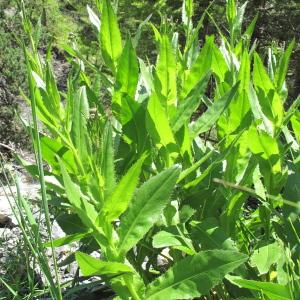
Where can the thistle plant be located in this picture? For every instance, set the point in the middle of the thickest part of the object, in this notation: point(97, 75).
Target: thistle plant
point(157, 188)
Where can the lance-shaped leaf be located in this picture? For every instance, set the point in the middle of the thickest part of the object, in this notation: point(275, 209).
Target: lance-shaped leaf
point(69, 239)
point(239, 106)
point(210, 235)
point(210, 117)
point(52, 93)
point(110, 36)
point(261, 78)
point(218, 64)
point(189, 105)
point(126, 80)
point(231, 11)
point(157, 122)
point(295, 121)
point(79, 131)
point(128, 68)
point(201, 66)
point(146, 208)
point(269, 99)
point(44, 104)
point(195, 275)
point(84, 209)
point(118, 202)
point(107, 161)
point(283, 67)
point(268, 153)
point(93, 18)
point(273, 291)
point(132, 117)
point(166, 71)
point(90, 266)
point(294, 108)
point(187, 13)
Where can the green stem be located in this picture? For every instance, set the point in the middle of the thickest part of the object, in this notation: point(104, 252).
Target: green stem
point(37, 147)
point(131, 289)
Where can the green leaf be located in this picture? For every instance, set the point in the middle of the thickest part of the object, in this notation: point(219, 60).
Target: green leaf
point(210, 236)
point(147, 77)
point(43, 104)
point(267, 151)
point(269, 99)
point(68, 239)
point(157, 122)
point(70, 223)
point(210, 117)
point(218, 64)
point(295, 121)
point(128, 69)
point(250, 29)
point(107, 161)
point(201, 66)
point(292, 111)
point(51, 148)
point(221, 157)
point(52, 91)
point(119, 200)
point(264, 257)
point(282, 69)
point(239, 106)
point(261, 78)
point(196, 165)
point(189, 105)
point(272, 290)
point(173, 239)
point(146, 208)
point(187, 11)
point(166, 72)
point(166, 239)
point(231, 11)
point(258, 113)
point(91, 266)
point(79, 131)
point(84, 209)
point(133, 115)
point(195, 275)
point(110, 36)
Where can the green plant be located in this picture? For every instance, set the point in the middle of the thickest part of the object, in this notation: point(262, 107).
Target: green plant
point(132, 166)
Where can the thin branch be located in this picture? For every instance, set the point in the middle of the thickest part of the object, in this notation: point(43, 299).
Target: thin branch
point(253, 192)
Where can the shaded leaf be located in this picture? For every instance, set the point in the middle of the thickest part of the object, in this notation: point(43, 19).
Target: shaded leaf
point(195, 275)
point(210, 117)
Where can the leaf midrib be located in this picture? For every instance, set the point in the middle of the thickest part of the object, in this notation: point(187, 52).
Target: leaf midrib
point(137, 217)
point(188, 278)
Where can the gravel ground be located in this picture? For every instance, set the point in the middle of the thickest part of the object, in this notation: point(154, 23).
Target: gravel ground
point(13, 250)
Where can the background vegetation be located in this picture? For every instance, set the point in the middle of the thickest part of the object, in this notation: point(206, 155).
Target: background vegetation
point(278, 23)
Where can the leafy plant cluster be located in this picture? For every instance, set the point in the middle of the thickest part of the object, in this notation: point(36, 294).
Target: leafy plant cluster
point(179, 204)
point(12, 77)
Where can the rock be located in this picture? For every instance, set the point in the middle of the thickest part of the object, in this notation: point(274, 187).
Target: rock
point(7, 218)
point(5, 221)
point(10, 12)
